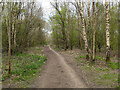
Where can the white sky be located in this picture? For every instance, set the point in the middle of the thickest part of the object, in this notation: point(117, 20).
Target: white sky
point(48, 9)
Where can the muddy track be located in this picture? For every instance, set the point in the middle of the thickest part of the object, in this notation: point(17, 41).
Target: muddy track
point(57, 73)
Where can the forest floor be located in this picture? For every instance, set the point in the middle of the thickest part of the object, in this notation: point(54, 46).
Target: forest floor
point(63, 69)
point(25, 67)
point(69, 69)
point(98, 75)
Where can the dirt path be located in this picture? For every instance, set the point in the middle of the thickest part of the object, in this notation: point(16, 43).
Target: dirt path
point(57, 73)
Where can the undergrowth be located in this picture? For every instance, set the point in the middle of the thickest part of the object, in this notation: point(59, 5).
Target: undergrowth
point(24, 67)
point(106, 76)
point(113, 65)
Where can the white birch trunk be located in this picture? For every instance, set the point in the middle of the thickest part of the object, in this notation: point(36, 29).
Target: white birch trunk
point(107, 33)
point(84, 32)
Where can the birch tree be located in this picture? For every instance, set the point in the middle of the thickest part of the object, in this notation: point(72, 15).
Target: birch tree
point(14, 29)
point(88, 24)
point(107, 33)
point(84, 31)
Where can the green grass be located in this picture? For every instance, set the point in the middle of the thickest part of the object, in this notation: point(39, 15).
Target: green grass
point(28, 65)
point(104, 76)
point(24, 66)
point(102, 69)
point(108, 76)
point(113, 65)
point(79, 57)
point(78, 61)
point(99, 57)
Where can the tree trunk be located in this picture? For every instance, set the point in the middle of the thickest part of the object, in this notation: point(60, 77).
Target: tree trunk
point(57, 39)
point(79, 33)
point(14, 25)
point(84, 32)
point(88, 25)
point(93, 24)
point(64, 37)
point(14, 34)
point(107, 33)
point(119, 40)
point(9, 40)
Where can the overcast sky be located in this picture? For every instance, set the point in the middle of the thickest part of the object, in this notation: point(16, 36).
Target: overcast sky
point(48, 9)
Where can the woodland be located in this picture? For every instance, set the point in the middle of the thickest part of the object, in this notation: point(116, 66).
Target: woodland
point(92, 27)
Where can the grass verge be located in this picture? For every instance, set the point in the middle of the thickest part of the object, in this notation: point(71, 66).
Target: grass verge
point(103, 76)
point(24, 68)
